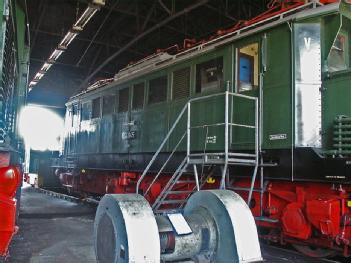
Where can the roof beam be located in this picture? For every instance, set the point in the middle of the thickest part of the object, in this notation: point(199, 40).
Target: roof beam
point(38, 60)
point(133, 13)
point(42, 8)
point(142, 35)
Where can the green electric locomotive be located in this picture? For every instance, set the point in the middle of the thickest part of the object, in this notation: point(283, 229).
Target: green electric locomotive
point(262, 109)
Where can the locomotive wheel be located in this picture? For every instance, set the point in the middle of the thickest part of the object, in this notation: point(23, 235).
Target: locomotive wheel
point(217, 226)
point(314, 252)
point(125, 230)
point(236, 226)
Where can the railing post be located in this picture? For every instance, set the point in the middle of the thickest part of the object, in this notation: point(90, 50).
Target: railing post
point(160, 148)
point(257, 136)
point(196, 178)
point(226, 139)
point(188, 142)
point(226, 127)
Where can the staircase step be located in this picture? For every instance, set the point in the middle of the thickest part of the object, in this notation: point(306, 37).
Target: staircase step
point(208, 161)
point(180, 192)
point(239, 160)
point(167, 202)
point(241, 164)
point(185, 182)
point(242, 155)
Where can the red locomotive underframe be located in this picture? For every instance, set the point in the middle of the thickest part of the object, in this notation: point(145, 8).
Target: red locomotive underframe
point(314, 214)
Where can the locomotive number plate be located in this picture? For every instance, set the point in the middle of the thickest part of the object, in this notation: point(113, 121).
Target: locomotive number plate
point(211, 139)
point(274, 137)
point(127, 135)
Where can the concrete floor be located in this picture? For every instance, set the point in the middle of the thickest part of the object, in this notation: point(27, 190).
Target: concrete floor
point(58, 231)
point(52, 231)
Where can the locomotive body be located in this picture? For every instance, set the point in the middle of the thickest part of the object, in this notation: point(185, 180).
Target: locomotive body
point(262, 110)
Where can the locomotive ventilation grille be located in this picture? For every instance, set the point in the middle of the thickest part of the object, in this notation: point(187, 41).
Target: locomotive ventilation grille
point(341, 136)
point(8, 81)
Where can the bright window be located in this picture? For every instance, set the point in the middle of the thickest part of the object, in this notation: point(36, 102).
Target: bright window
point(248, 70)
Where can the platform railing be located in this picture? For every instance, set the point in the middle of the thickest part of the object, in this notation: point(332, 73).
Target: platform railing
point(200, 156)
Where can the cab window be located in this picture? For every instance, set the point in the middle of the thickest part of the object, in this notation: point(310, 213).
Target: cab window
point(96, 111)
point(85, 115)
point(108, 105)
point(138, 96)
point(74, 114)
point(248, 75)
point(69, 116)
point(338, 58)
point(123, 100)
point(209, 75)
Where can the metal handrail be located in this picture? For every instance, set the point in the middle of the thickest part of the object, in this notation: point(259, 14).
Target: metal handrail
point(165, 164)
point(171, 181)
point(187, 109)
point(160, 148)
point(169, 134)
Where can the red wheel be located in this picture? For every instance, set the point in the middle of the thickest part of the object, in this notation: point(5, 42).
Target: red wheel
point(314, 252)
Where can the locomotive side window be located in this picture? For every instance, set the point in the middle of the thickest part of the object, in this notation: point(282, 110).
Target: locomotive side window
point(108, 105)
point(85, 111)
point(181, 83)
point(209, 75)
point(138, 96)
point(158, 90)
point(74, 116)
point(123, 100)
point(248, 67)
point(338, 58)
point(96, 112)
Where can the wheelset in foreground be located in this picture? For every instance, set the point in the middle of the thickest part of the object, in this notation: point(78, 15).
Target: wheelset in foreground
point(215, 226)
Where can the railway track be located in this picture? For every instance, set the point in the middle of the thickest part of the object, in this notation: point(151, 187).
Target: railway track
point(271, 253)
point(89, 201)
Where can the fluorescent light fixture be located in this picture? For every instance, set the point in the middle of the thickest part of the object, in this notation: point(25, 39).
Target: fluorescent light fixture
point(77, 27)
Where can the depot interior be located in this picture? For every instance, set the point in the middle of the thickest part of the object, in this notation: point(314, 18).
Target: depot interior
point(76, 44)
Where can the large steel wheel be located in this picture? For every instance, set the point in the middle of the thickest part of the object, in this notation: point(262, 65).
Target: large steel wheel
point(216, 226)
point(125, 230)
point(314, 252)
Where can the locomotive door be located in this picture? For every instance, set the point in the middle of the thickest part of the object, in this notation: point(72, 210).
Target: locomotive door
point(136, 118)
point(122, 128)
point(74, 129)
point(246, 79)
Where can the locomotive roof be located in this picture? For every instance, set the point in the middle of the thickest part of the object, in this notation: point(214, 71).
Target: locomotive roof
point(162, 60)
